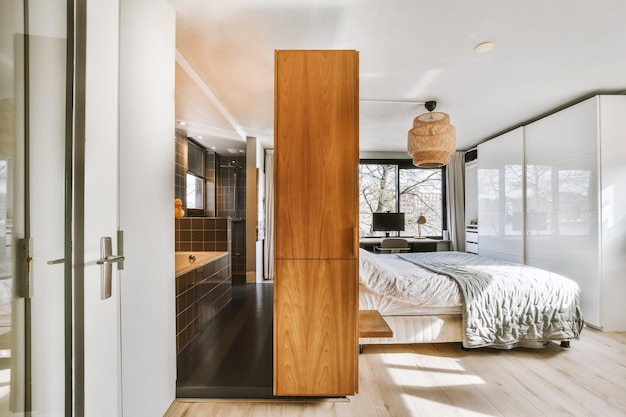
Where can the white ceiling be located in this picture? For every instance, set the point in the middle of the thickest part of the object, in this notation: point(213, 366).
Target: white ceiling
point(547, 54)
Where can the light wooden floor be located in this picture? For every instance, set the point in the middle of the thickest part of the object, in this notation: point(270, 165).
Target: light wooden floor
point(442, 380)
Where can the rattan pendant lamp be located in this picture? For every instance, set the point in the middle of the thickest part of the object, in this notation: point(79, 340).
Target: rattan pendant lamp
point(432, 139)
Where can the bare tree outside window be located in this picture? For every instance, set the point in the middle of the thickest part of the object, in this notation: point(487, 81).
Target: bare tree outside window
point(377, 194)
point(413, 191)
point(421, 195)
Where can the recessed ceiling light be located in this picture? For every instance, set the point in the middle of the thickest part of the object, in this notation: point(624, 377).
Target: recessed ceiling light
point(199, 137)
point(484, 46)
point(182, 123)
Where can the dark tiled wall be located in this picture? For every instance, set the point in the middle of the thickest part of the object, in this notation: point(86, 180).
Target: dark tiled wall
point(200, 295)
point(231, 186)
point(231, 202)
point(181, 174)
point(203, 234)
point(226, 192)
point(181, 165)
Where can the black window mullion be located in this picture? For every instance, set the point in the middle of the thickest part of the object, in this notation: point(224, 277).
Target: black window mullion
point(397, 188)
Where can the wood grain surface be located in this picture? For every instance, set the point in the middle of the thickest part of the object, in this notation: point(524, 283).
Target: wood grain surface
point(316, 154)
point(315, 327)
point(426, 380)
point(316, 223)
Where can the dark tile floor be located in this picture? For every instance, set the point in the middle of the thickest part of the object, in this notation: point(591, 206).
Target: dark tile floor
point(232, 357)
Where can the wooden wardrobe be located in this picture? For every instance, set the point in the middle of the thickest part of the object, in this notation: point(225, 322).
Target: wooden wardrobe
point(316, 223)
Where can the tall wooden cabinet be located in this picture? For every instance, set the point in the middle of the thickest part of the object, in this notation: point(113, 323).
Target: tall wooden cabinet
point(316, 226)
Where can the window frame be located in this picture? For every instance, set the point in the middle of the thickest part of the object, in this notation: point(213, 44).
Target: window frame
point(196, 212)
point(408, 164)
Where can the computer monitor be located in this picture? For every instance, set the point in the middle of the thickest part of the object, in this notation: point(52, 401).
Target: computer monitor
point(386, 222)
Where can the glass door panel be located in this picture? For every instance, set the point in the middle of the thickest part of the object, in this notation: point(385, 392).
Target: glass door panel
point(11, 22)
point(35, 305)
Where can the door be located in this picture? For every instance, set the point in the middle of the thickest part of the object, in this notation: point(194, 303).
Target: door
point(60, 163)
point(37, 354)
point(54, 327)
point(97, 187)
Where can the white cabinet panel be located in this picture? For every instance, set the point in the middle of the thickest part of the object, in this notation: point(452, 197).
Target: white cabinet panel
point(471, 247)
point(613, 211)
point(551, 195)
point(562, 210)
point(562, 136)
point(588, 287)
point(561, 156)
point(574, 169)
point(500, 196)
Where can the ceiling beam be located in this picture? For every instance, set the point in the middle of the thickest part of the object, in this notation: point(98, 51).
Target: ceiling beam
point(195, 77)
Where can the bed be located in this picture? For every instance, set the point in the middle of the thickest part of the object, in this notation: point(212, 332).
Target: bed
point(431, 297)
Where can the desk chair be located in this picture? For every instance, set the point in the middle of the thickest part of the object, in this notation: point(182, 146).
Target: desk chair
point(393, 245)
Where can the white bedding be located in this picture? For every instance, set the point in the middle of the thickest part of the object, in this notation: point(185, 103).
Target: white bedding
point(502, 305)
point(390, 276)
point(388, 306)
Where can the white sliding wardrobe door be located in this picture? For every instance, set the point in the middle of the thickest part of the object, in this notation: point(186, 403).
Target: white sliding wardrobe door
point(501, 197)
point(562, 198)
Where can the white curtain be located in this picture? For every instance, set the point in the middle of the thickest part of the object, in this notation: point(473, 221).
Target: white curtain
point(456, 201)
point(268, 243)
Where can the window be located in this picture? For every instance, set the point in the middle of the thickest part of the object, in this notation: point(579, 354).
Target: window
point(398, 186)
point(195, 195)
point(195, 177)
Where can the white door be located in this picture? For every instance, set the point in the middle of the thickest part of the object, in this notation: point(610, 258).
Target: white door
point(129, 343)
point(102, 342)
point(60, 196)
point(63, 170)
point(36, 145)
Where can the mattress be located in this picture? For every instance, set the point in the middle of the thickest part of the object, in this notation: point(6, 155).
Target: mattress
point(418, 309)
point(400, 281)
point(421, 329)
point(390, 306)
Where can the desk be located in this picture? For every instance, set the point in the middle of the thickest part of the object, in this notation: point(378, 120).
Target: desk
point(417, 245)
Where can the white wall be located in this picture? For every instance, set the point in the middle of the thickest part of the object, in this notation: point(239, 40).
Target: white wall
point(146, 214)
point(260, 163)
point(613, 211)
point(254, 249)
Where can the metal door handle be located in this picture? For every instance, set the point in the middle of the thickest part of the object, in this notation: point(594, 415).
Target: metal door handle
point(24, 274)
point(107, 259)
point(56, 261)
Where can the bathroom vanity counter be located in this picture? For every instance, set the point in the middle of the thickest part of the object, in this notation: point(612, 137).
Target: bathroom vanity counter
point(188, 261)
point(203, 288)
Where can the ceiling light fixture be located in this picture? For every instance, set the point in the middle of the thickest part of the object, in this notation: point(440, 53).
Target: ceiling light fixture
point(484, 46)
point(432, 139)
